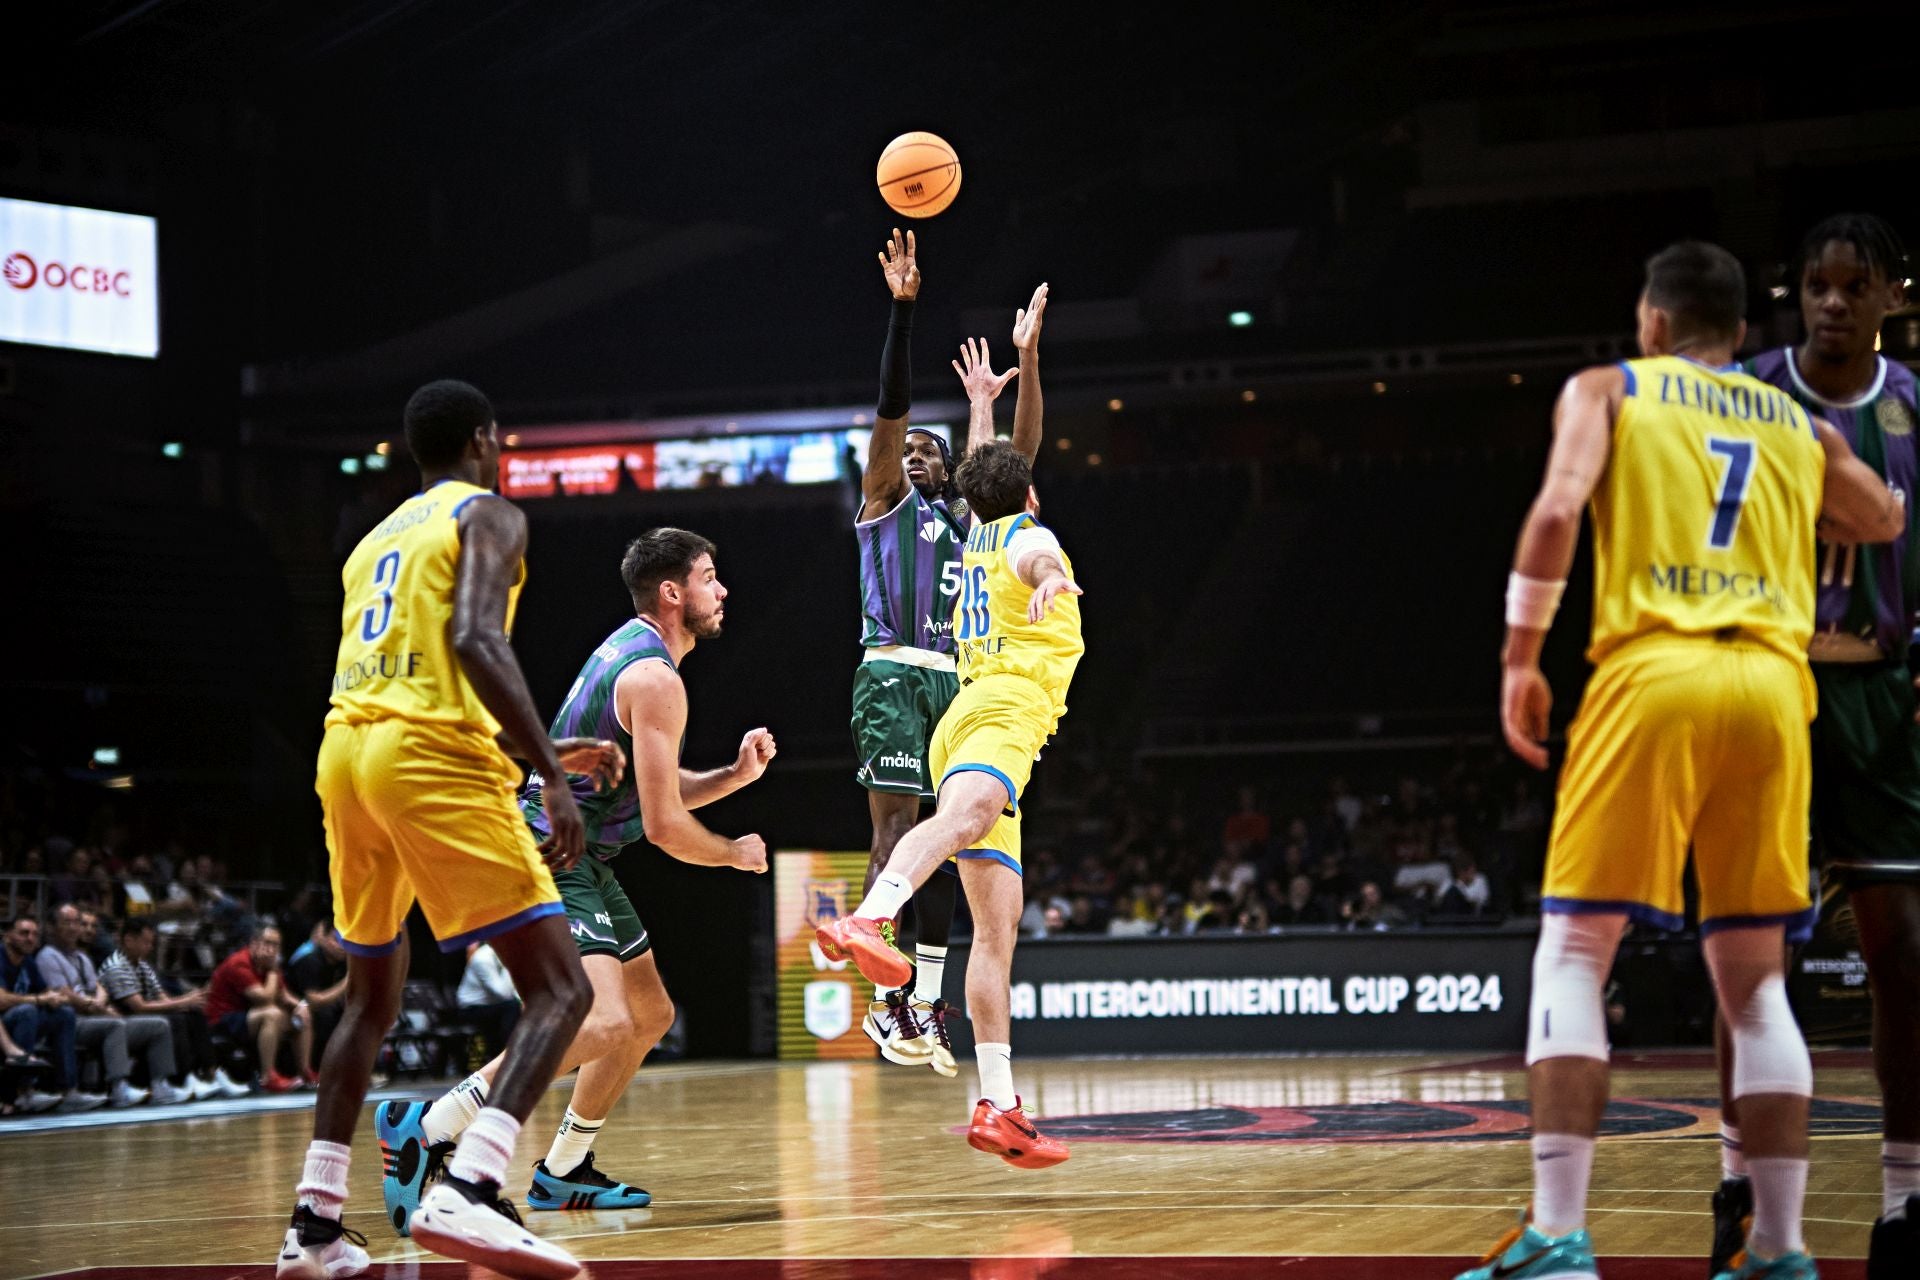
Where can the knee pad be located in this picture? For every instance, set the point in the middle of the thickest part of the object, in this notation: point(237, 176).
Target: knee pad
point(1567, 1017)
point(1769, 1053)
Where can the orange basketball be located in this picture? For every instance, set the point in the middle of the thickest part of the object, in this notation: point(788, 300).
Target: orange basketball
point(919, 174)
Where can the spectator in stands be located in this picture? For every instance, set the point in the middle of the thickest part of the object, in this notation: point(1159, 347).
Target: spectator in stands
point(1467, 891)
point(18, 1069)
point(1365, 909)
point(248, 1002)
point(65, 966)
point(1419, 876)
point(304, 910)
point(1033, 920)
point(104, 892)
point(33, 1013)
point(179, 915)
point(1252, 917)
point(317, 973)
point(227, 913)
point(1332, 881)
point(1301, 907)
point(1136, 917)
point(1218, 916)
point(73, 881)
point(136, 891)
point(1081, 920)
point(96, 939)
point(135, 989)
point(1248, 828)
point(1346, 806)
point(1523, 815)
point(486, 997)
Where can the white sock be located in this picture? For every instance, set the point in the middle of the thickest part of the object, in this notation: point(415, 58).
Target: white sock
point(571, 1143)
point(446, 1119)
point(890, 892)
point(1733, 1157)
point(1899, 1177)
point(1562, 1166)
point(323, 1183)
point(486, 1148)
point(996, 1074)
point(1779, 1190)
point(930, 965)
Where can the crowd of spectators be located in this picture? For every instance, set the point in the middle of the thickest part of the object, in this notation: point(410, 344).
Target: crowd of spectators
point(1124, 853)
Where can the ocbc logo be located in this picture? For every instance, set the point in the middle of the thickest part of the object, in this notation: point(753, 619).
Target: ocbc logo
point(22, 272)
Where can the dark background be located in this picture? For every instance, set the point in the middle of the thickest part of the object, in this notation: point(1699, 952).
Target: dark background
point(604, 211)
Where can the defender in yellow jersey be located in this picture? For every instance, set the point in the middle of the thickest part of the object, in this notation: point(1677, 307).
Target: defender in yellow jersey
point(1017, 635)
point(418, 803)
point(1706, 487)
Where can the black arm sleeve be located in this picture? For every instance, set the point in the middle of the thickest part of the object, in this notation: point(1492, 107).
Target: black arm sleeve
point(896, 363)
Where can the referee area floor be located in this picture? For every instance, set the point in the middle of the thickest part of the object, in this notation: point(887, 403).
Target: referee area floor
point(1316, 1168)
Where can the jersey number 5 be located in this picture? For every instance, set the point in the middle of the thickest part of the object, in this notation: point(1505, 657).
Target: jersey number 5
point(379, 615)
point(1733, 489)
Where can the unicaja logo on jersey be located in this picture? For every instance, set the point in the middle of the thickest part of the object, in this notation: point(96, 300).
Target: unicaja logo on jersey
point(931, 531)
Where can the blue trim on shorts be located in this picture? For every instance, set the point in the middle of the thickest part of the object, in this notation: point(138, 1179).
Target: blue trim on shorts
point(538, 911)
point(373, 952)
point(1638, 912)
point(993, 855)
point(1799, 923)
point(1633, 383)
point(1013, 807)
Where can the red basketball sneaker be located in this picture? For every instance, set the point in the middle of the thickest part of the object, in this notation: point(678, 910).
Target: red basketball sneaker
point(870, 945)
point(1012, 1137)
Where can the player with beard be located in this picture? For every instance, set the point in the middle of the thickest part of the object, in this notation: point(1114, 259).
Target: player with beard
point(1866, 746)
point(911, 530)
point(630, 691)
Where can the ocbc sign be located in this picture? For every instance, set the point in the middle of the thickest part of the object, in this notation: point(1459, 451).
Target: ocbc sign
point(22, 272)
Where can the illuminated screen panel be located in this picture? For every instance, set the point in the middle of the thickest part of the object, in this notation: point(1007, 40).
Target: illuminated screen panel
point(84, 279)
point(821, 1002)
point(713, 462)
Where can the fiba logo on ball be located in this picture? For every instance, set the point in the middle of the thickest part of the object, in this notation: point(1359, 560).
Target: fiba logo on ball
point(918, 174)
point(19, 271)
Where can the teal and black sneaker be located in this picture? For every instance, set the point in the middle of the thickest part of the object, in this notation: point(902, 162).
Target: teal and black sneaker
point(1788, 1266)
point(1526, 1254)
point(407, 1160)
point(584, 1188)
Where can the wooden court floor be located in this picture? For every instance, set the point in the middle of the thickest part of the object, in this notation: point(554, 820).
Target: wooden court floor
point(1398, 1167)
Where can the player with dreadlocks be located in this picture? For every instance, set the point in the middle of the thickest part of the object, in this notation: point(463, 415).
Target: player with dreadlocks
point(911, 530)
point(1851, 272)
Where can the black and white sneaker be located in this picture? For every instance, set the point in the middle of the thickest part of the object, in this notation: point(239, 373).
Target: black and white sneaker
point(892, 1024)
point(1732, 1219)
point(469, 1221)
point(1894, 1253)
point(318, 1248)
point(933, 1016)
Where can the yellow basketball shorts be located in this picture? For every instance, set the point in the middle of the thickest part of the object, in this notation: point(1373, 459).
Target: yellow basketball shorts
point(418, 811)
point(995, 725)
point(1685, 742)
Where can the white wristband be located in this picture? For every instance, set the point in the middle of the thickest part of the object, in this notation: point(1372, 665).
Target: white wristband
point(1531, 602)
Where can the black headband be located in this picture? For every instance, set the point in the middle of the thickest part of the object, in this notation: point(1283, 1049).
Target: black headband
point(946, 453)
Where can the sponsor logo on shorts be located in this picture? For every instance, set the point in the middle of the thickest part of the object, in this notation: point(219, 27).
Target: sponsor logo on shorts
point(899, 762)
